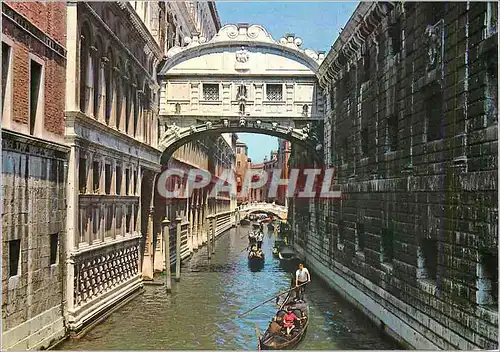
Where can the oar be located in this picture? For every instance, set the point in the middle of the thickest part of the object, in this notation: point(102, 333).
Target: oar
point(258, 336)
point(267, 300)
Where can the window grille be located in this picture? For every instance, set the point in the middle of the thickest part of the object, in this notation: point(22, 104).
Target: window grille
point(211, 92)
point(274, 92)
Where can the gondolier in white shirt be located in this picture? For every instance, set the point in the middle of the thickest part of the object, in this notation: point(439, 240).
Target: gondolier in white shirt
point(302, 276)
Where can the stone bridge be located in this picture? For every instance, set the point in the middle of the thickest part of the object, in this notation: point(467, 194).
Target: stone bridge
point(279, 210)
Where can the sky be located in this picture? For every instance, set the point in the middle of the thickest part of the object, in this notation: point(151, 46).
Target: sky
point(317, 23)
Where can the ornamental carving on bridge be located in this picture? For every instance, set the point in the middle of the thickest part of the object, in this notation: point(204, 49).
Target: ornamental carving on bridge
point(242, 55)
point(247, 33)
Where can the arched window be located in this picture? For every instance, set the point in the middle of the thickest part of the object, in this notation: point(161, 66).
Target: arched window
point(109, 85)
point(119, 94)
point(97, 77)
point(126, 92)
point(85, 40)
point(136, 105)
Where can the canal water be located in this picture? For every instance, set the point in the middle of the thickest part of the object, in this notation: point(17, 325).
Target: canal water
point(201, 312)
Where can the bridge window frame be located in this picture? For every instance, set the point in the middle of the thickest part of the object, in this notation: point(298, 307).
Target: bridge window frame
point(274, 92)
point(211, 91)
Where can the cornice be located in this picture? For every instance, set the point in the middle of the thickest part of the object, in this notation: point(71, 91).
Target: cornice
point(363, 22)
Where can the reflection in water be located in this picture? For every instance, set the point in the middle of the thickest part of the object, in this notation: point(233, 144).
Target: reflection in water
point(202, 309)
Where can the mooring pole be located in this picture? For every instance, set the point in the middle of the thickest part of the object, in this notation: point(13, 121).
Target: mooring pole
point(209, 251)
point(166, 250)
point(178, 221)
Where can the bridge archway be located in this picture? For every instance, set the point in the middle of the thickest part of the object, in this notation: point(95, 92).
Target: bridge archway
point(242, 80)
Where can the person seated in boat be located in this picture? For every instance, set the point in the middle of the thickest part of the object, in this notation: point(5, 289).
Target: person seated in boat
point(289, 320)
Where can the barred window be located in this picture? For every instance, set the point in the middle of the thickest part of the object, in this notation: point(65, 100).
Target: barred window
point(211, 92)
point(274, 92)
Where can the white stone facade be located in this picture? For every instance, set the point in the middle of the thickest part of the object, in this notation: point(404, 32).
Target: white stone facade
point(111, 127)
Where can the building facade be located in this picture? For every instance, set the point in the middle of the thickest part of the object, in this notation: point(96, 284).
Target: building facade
point(284, 149)
point(111, 128)
point(243, 163)
point(34, 172)
point(411, 128)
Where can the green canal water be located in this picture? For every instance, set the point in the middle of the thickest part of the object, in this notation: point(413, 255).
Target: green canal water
point(200, 313)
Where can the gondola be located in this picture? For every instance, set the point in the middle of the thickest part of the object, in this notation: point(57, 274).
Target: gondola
point(288, 257)
point(245, 222)
point(256, 258)
point(274, 338)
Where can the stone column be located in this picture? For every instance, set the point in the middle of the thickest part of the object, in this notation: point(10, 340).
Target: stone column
point(178, 221)
point(166, 246)
point(147, 264)
point(159, 260)
point(193, 219)
point(73, 236)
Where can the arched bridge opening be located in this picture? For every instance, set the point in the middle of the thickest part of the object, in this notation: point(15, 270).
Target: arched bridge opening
point(242, 80)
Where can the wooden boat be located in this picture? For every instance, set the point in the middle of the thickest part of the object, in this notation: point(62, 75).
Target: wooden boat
point(277, 246)
point(244, 222)
point(256, 259)
point(274, 338)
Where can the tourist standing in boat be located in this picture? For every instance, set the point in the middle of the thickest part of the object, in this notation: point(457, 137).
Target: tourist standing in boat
point(302, 277)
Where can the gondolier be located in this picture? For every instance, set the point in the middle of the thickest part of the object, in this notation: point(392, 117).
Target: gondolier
point(302, 276)
point(260, 238)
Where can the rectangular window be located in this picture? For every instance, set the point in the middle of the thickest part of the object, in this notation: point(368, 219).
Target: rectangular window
point(392, 132)
point(127, 181)
point(107, 178)
point(211, 92)
point(387, 246)
point(82, 176)
point(96, 176)
point(128, 218)
point(395, 35)
point(366, 64)
point(14, 254)
point(488, 277)
point(364, 141)
point(274, 92)
point(54, 242)
point(429, 255)
point(134, 183)
point(35, 84)
point(360, 237)
point(6, 54)
point(433, 114)
point(118, 180)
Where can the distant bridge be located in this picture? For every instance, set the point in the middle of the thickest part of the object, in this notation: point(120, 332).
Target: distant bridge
point(276, 209)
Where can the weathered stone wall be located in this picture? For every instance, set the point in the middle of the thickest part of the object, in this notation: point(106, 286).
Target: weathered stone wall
point(34, 208)
point(411, 127)
point(33, 175)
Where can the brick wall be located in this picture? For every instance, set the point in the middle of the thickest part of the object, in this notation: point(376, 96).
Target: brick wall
point(411, 118)
point(34, 181)
point(50, 18)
